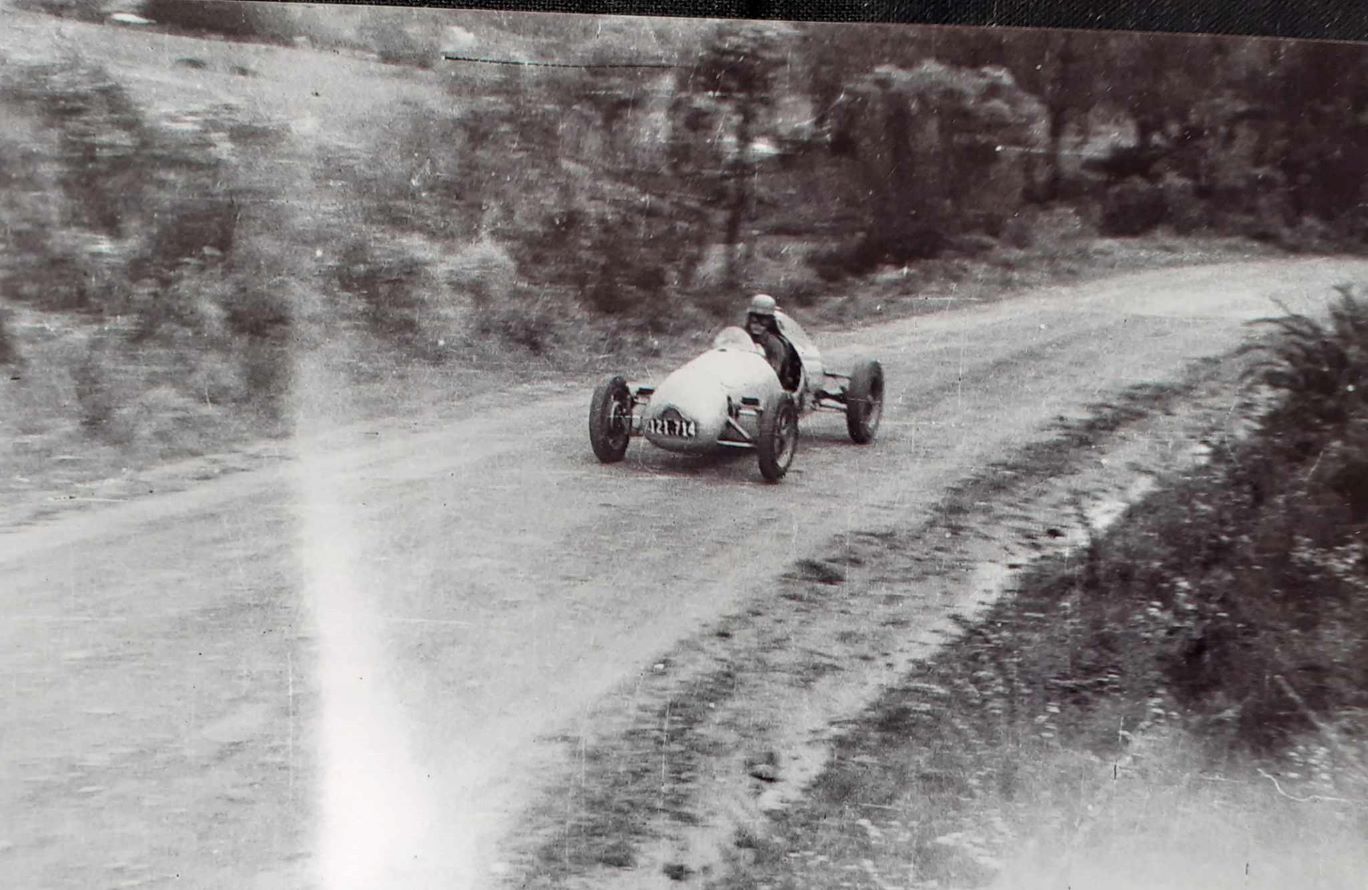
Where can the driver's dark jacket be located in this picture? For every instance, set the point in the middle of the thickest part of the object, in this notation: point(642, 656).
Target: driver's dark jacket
point(776, 353)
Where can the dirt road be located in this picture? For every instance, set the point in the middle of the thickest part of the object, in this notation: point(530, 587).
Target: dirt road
point(337, 671)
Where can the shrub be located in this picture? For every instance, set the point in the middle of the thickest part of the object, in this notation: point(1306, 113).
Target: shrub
point(485, 274)
point(1184, 209)
point(219, 333)
point(781, 267)
point(1021, 231)
point(60, 270)
point(266, 376)
point(82, 10)
point(1262, 569)
point(190, 301)
point(92, 134)
point(1275, 603)
point(199, 227)
point(123, 201)
point(531, 322)
point(9, 350)
point(229, 18)
point(1131, 208)
point(95, 394)
point(388, 282)
point(256, 310)
point(1320, 372)
point(399, 38)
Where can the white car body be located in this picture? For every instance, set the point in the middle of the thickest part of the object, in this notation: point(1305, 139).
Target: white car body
point(731, 397)
point(694, 407)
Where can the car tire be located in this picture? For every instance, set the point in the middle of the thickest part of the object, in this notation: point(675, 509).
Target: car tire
point(864, 401)
point(777, 439)
point(610, 420)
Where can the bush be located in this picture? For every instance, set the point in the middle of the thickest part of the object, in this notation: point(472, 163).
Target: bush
point(201, 227)
point(81, 10)
point(388, 282)
point(1184, 209)
point(122, 201)
point(399, 38)
point(531, 322)
point(1131, 208)
point(256, 310)
point(1320, 372)
point(485, 274)
point(851, 259)
point(229, 18)
point(190, 301)
point(91, 140)
point(1276, 601)
point(1020, 231)
point(61, 270)
point(1241, 592)
point(9, 350)
point(1259, 566)
point(95, 394)
point(780, 267)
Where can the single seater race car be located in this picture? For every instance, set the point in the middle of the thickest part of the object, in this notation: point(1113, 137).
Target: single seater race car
point(731, 397)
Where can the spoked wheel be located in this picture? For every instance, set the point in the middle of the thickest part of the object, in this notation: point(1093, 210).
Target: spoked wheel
point(610, 420)
point(777, 441)
point(864, 401)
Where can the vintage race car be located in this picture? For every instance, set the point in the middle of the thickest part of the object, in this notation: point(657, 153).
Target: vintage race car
point(731, 397)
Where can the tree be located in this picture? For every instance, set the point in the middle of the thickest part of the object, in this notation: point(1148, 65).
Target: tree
point(723, 101)
point(1159, 81)
point(837, 57)
point(1322, 112)
point(935, 146)
point(1059, 67)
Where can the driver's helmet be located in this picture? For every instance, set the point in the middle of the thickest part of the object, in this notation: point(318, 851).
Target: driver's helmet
point(760, 313)
point(762, 305)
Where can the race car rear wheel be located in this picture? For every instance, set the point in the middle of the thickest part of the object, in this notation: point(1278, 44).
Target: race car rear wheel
point(777, 440)
point(610, 420)
point(864, 401)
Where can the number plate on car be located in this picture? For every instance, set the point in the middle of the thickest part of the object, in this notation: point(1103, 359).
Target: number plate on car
point(680, 429)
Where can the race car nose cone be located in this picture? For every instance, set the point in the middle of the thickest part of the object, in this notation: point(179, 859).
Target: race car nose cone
point(671, 424)
point(685, 418)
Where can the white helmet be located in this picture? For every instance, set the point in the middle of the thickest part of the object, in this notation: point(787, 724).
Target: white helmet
point(762, 304)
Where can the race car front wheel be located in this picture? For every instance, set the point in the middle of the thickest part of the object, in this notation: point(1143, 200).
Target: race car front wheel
point(610, 420)
point(864, 401)
point(777, 441)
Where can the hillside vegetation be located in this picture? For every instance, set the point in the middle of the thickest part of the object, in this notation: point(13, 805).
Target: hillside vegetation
point(184, 224)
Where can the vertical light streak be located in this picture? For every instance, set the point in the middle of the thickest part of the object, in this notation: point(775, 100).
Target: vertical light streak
point(377, 804)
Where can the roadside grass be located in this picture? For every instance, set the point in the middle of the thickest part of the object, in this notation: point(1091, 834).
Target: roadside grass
point(1180, 702)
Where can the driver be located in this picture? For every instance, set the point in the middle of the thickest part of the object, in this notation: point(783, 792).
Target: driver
point(764, 330)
